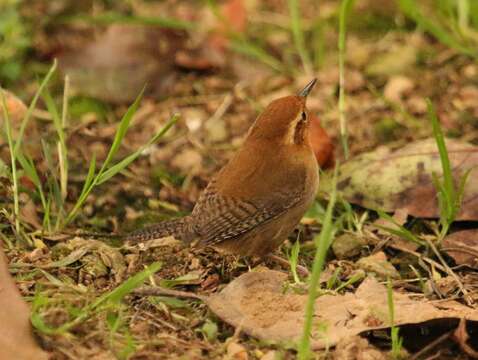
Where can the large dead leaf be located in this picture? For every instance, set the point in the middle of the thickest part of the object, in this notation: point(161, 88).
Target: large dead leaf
point(121, 61)
point(321, 143)
point(462, 246)
point(16, 338)
point(258, 303)
point(402, 179)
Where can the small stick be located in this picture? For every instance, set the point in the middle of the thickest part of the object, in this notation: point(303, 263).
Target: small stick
point(466, 296)
point(463, 249)
point(460, 335)
point(431, 345)
point(418, 255)
point(160, 291)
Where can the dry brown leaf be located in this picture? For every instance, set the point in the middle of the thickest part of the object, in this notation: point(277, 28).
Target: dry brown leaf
point(16, 338)
point(402, 179)
point(462, 246)
point(397, 87)
point(256, 302)
point(378, 264)
point(121, 61)
point(236, 351)
point(15, 107)
point(16, 111)
point(357, 348)
point(321, 143)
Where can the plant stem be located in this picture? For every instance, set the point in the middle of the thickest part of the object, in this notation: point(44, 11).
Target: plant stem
point(322, 242)
point(345, 6)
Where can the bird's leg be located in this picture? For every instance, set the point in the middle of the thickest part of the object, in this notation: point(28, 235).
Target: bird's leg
point(302, 270)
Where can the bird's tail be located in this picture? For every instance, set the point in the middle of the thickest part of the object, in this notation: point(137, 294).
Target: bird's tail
point(179, 228)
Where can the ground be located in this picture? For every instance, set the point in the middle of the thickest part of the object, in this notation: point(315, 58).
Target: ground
point(217, 76)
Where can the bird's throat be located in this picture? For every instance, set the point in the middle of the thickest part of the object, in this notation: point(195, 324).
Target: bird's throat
point(300, 132)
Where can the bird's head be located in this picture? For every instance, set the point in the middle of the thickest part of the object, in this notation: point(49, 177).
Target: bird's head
point(285, 120)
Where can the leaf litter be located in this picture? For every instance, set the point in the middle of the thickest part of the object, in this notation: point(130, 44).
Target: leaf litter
point(183, 163)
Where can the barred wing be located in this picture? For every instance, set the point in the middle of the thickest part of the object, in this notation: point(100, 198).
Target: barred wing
point(219, 218)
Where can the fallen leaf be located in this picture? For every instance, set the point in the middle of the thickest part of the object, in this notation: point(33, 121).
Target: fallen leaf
point(462, 246)
point(28, 212)
point(397, 87)
point(121, 61)
point(233, 18)
point(377, 263)
point(15, 107)
point(357, 348)
point(401, 179)
point(236, 351)
point(16, 337)
point(321, 143)
point(257, 303)
point(394, 62)
point(348, 245)
point(16, 111)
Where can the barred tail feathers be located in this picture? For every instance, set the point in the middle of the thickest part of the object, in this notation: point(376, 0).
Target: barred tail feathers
point(179, 228)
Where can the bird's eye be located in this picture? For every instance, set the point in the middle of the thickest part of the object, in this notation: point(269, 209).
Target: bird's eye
point(304, 116)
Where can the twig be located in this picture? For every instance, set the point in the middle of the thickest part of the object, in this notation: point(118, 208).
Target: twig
point(160, 291)
point(302, 270)
point(450, 272)
point(432, 345)
point(418, 255)
point(460, 335)
point(463, 249)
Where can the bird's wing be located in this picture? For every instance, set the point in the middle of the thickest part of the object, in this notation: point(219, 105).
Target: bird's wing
point(219, 218)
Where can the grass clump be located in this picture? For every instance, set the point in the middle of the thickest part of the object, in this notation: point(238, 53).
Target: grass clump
point(450, 196)
point(452, 22)
point(52, 193)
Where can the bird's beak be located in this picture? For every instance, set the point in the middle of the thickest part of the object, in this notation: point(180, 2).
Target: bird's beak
point(308, 88)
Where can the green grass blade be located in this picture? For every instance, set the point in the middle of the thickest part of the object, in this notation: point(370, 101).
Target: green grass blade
point(31, 172)
point(396, 340)
point(298, 35)
point(11, 147)
point(92, 180)
point(87, 186)
point(345, 7)
point(121, 132)
point(113, 170)
point(411, 10)
point(246, 47)
point(116, 18)
point(32, 106)
point(117, 294)
point(401, 231)
point(322, 241)
point(111, 298)
point(445, 161)
point(294, 261)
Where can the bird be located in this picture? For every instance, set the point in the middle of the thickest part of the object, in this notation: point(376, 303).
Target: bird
point(257, 199)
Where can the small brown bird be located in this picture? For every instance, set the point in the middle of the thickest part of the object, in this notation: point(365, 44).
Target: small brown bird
point(257, 199)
